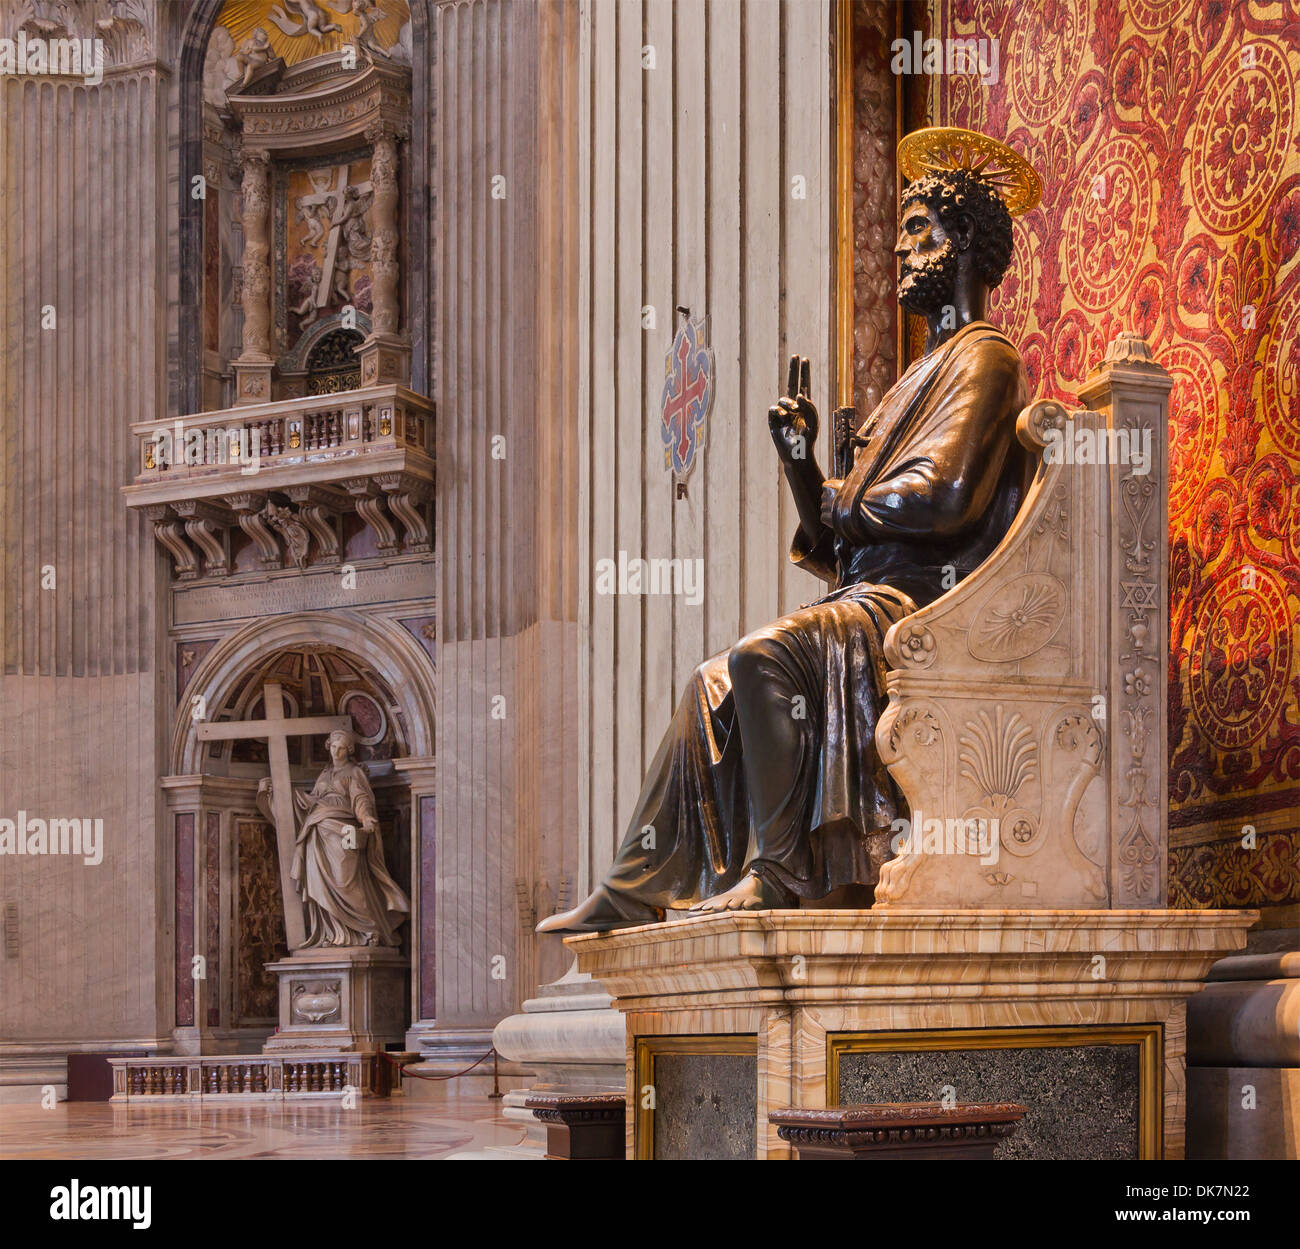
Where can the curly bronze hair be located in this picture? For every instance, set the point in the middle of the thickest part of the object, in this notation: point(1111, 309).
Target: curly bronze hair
point(959, 191)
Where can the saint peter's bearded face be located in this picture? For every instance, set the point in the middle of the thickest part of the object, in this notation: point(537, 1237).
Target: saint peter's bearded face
point(928, 260)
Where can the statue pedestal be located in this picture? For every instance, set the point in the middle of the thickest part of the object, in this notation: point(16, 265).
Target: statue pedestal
point(1078, 1015)
point(252, 380)
point(385, 358)
point(1243, 1051)
point(340, 998)
point(572, 1040)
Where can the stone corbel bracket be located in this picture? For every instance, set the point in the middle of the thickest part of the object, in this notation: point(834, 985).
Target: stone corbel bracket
point(248, 509)
point(1004, 693)
point(170, 532)
point(206, 526)
point(407, 498)
point(369, 502)
point(318, 509)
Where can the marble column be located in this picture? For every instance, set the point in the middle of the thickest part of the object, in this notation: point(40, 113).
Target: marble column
point(736, 230)
point(88, 240)
point(1243, 1057)
point(386, 354)
point(503, 241)
point(194, 818)
point(868, 354)
point(573, 1041)
point(254, 365)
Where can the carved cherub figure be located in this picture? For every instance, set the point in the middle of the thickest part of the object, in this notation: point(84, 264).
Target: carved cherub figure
point(291, 529)
point(317, 218)
point(354, 246)
point(368, 15)
point(313, 21)
point(306, 311)
point(253, 54)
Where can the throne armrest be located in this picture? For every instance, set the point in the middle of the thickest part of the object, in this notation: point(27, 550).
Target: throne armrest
point(1004, 693)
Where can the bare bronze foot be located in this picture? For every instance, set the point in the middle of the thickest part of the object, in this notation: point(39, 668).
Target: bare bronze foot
point(753, 893)
point(591, 915)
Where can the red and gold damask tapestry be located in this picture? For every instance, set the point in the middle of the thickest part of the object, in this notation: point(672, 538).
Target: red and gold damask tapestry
point(1187, 113)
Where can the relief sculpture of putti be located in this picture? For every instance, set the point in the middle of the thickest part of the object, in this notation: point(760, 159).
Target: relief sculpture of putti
point(749, 804)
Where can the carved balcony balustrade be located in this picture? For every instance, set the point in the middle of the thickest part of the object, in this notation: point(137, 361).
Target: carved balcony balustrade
point(284, 474)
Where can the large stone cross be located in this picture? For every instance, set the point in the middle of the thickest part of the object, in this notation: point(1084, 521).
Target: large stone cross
point(276, 730)
point(339, 198)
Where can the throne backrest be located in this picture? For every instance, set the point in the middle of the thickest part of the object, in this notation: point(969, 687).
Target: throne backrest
point(1026, 721)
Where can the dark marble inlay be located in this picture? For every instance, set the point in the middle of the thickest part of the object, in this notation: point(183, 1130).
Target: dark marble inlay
point(184, 919)
point(428, 904)
point(705, 1106)
point(212, 916)
point(260, 924)
point(1083, 1100)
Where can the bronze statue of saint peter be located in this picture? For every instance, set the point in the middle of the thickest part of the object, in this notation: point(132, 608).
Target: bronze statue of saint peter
point(767, 787)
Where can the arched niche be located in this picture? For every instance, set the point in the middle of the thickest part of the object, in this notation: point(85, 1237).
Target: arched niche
point(384, 646)
point(228, 889)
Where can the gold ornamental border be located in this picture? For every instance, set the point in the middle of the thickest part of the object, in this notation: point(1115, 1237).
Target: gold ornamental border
point(648, 1049)
point(1148, 1037)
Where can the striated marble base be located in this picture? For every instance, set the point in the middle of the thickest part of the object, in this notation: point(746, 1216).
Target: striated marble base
point(803, 1001)
point(573, 1041)
point(1243, 1059)
point(340, 998)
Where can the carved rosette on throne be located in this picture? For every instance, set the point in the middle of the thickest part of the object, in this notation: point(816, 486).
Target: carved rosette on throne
point(1019, 948)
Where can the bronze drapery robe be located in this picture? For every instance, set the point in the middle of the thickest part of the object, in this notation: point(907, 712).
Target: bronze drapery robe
point(740, 782)
point(349, 896)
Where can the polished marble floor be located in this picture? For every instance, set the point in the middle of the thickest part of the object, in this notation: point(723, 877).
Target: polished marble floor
point(396, 1128)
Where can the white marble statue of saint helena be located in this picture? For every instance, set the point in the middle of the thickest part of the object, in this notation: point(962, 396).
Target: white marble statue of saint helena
point(338, 860)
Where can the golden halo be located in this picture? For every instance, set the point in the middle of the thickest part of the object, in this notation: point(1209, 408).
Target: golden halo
point(939, 149)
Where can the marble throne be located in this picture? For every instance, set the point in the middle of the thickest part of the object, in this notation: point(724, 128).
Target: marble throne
point(1025, 725)
point(1018, 948)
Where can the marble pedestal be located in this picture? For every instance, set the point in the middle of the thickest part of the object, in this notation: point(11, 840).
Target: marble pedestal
point(385, 358)
point(1243, 1056)
point(340, 998)
point(1078, 1014)
point(573, 1041)
point(253, 376)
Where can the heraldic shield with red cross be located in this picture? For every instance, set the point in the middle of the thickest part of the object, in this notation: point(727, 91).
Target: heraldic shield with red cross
point(688, 395)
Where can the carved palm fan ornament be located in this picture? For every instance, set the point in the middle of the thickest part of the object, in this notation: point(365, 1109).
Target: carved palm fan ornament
point(940, 149)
